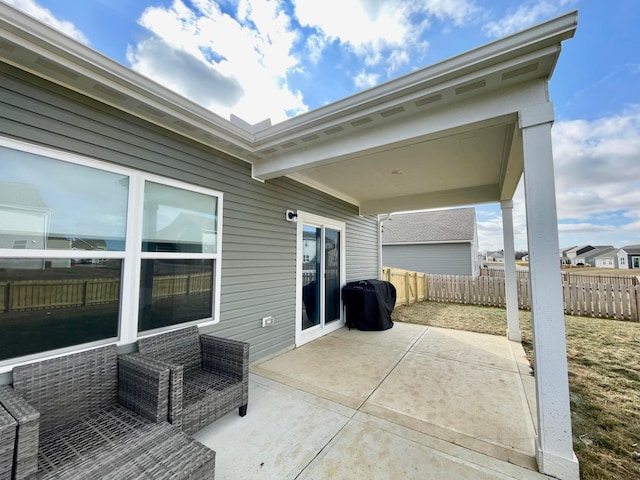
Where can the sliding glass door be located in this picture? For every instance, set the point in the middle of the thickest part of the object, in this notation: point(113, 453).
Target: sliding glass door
point(321, 276)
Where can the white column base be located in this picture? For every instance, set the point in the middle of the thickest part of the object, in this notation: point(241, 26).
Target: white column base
point(555, 466)
point(514, 335)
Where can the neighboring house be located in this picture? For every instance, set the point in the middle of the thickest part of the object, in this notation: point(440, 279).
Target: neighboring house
point(564, 260)
point(113, 145)
point(439, 242)
point(577, 252)
point(309, 247)
point(588, 257)
point(187, 231)
point(629, 257)
point(497, 257)
point(24, 217)
point(607, 259)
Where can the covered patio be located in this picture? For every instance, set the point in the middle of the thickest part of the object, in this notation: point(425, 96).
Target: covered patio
point(461, 132)
point(409, 402)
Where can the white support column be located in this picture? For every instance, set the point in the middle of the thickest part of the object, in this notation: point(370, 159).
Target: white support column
point(511, 282)
point(554, 451)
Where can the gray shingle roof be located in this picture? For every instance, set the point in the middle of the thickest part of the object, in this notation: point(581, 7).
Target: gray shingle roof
point(435, 226)
point(632, 249)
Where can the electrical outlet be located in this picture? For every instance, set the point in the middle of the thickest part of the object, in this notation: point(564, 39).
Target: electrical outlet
point(267, 321)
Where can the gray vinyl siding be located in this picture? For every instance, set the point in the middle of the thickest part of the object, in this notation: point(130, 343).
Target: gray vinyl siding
point(442, 258)
point(259, 245)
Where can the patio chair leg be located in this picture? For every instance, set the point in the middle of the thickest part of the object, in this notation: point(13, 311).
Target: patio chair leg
point(242, 410)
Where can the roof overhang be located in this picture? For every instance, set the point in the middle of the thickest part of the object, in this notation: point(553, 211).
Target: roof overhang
point(441, 136)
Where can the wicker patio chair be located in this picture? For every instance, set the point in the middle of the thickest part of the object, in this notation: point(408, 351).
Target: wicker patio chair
point(99, 417)
point(8, 428)
point(209, 375)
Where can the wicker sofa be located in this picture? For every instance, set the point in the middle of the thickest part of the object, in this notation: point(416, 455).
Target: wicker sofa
point(8, 428)
point(92, 415)
point(209, 375)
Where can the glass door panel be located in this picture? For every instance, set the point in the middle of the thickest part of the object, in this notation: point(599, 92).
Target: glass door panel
point(331, 275)
point(311, 274)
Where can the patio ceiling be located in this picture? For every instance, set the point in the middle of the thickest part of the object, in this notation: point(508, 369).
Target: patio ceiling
point(450, 132)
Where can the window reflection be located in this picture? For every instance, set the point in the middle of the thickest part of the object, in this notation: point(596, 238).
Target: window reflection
point(55, 205)
point(312, 244)
point(47, 304)
point(174, 291)
point(178, 220)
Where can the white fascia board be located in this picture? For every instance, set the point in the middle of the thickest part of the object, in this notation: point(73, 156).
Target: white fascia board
point(30, 34)
point(498, 106)
point(293, 129)
point(538, 37)
point(430, 242)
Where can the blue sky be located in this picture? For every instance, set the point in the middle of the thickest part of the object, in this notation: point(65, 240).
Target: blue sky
point(274, 59)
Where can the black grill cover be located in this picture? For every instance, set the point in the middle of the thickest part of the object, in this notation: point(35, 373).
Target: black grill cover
point(369, 304)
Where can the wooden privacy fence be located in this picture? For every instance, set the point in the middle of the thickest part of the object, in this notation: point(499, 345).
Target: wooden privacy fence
point(487, 291)
point(605, 300)
point(410, 286)
point(24, 295)
point(571, 277)
point(35, 295)
point(601, 300)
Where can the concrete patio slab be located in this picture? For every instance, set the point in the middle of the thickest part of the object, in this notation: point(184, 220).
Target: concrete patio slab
point(470, 405)
point(283, 431)
point(401, 337)
point(371, 448)
point(469, 347)
point(333, 367)
point(410, 402)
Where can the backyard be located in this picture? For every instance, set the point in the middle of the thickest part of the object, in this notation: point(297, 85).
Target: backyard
point(604, 378)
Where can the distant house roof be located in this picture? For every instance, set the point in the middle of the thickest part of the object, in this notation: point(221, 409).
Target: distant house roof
point(608, 254)
point(21, 195)
point(632, 249)
point(438, 226)
point(579, 249)
point(597, 251)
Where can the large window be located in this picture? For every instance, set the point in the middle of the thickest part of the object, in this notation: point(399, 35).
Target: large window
point(179, 245)
point(92, 253)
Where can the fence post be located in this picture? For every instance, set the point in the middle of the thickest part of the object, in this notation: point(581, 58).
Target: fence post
point(84, 292)
point(407, 291)
point(7, 297)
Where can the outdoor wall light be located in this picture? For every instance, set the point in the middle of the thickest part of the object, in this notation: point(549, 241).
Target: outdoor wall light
point(291, 216)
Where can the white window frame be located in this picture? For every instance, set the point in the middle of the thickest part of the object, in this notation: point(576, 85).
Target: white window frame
point(131, 256)
point(140, 255)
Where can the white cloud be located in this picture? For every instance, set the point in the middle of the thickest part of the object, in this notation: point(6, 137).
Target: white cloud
point(244, 61)
point(379, 31)
point(43, 14)
point(526, 15)
point(315, 45)
point(366, 80)
point(597, 164)
point(597, 177)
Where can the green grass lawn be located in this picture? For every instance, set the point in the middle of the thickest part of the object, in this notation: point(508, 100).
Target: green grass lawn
point(604, 379)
